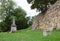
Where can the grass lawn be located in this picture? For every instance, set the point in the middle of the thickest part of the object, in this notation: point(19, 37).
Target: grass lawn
point(28, 35)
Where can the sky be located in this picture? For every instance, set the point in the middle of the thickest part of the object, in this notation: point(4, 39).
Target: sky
point(24, 5)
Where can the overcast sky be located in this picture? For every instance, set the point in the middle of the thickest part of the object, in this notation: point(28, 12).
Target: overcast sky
point(26, 7)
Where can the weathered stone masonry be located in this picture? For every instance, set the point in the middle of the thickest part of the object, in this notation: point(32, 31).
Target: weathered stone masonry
point(50, 20)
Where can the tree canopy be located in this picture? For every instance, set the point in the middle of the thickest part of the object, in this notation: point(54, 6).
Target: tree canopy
point(41, 5)
point(8, 9)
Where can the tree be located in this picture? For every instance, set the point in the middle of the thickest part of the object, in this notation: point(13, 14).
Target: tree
point(5, 25)
point(8, 10)
point(21, 19)
point(6, 7)
point(41, 5)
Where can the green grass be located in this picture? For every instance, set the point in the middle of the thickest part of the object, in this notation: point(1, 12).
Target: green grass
point(29, 35)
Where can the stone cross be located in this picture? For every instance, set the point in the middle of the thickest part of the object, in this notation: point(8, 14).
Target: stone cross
point(13, 26)
point(14, 21)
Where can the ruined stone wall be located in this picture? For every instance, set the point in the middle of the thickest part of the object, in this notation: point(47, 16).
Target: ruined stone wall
point(51, 19)
point(36, 21)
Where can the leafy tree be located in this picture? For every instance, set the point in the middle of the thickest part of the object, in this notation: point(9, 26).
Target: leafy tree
point(41, 5)
point(8, 10)
point(6, 24)
point(21, 19)
point(4, 11)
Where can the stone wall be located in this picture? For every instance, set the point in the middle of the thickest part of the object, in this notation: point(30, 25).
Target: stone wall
point(51, 19)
